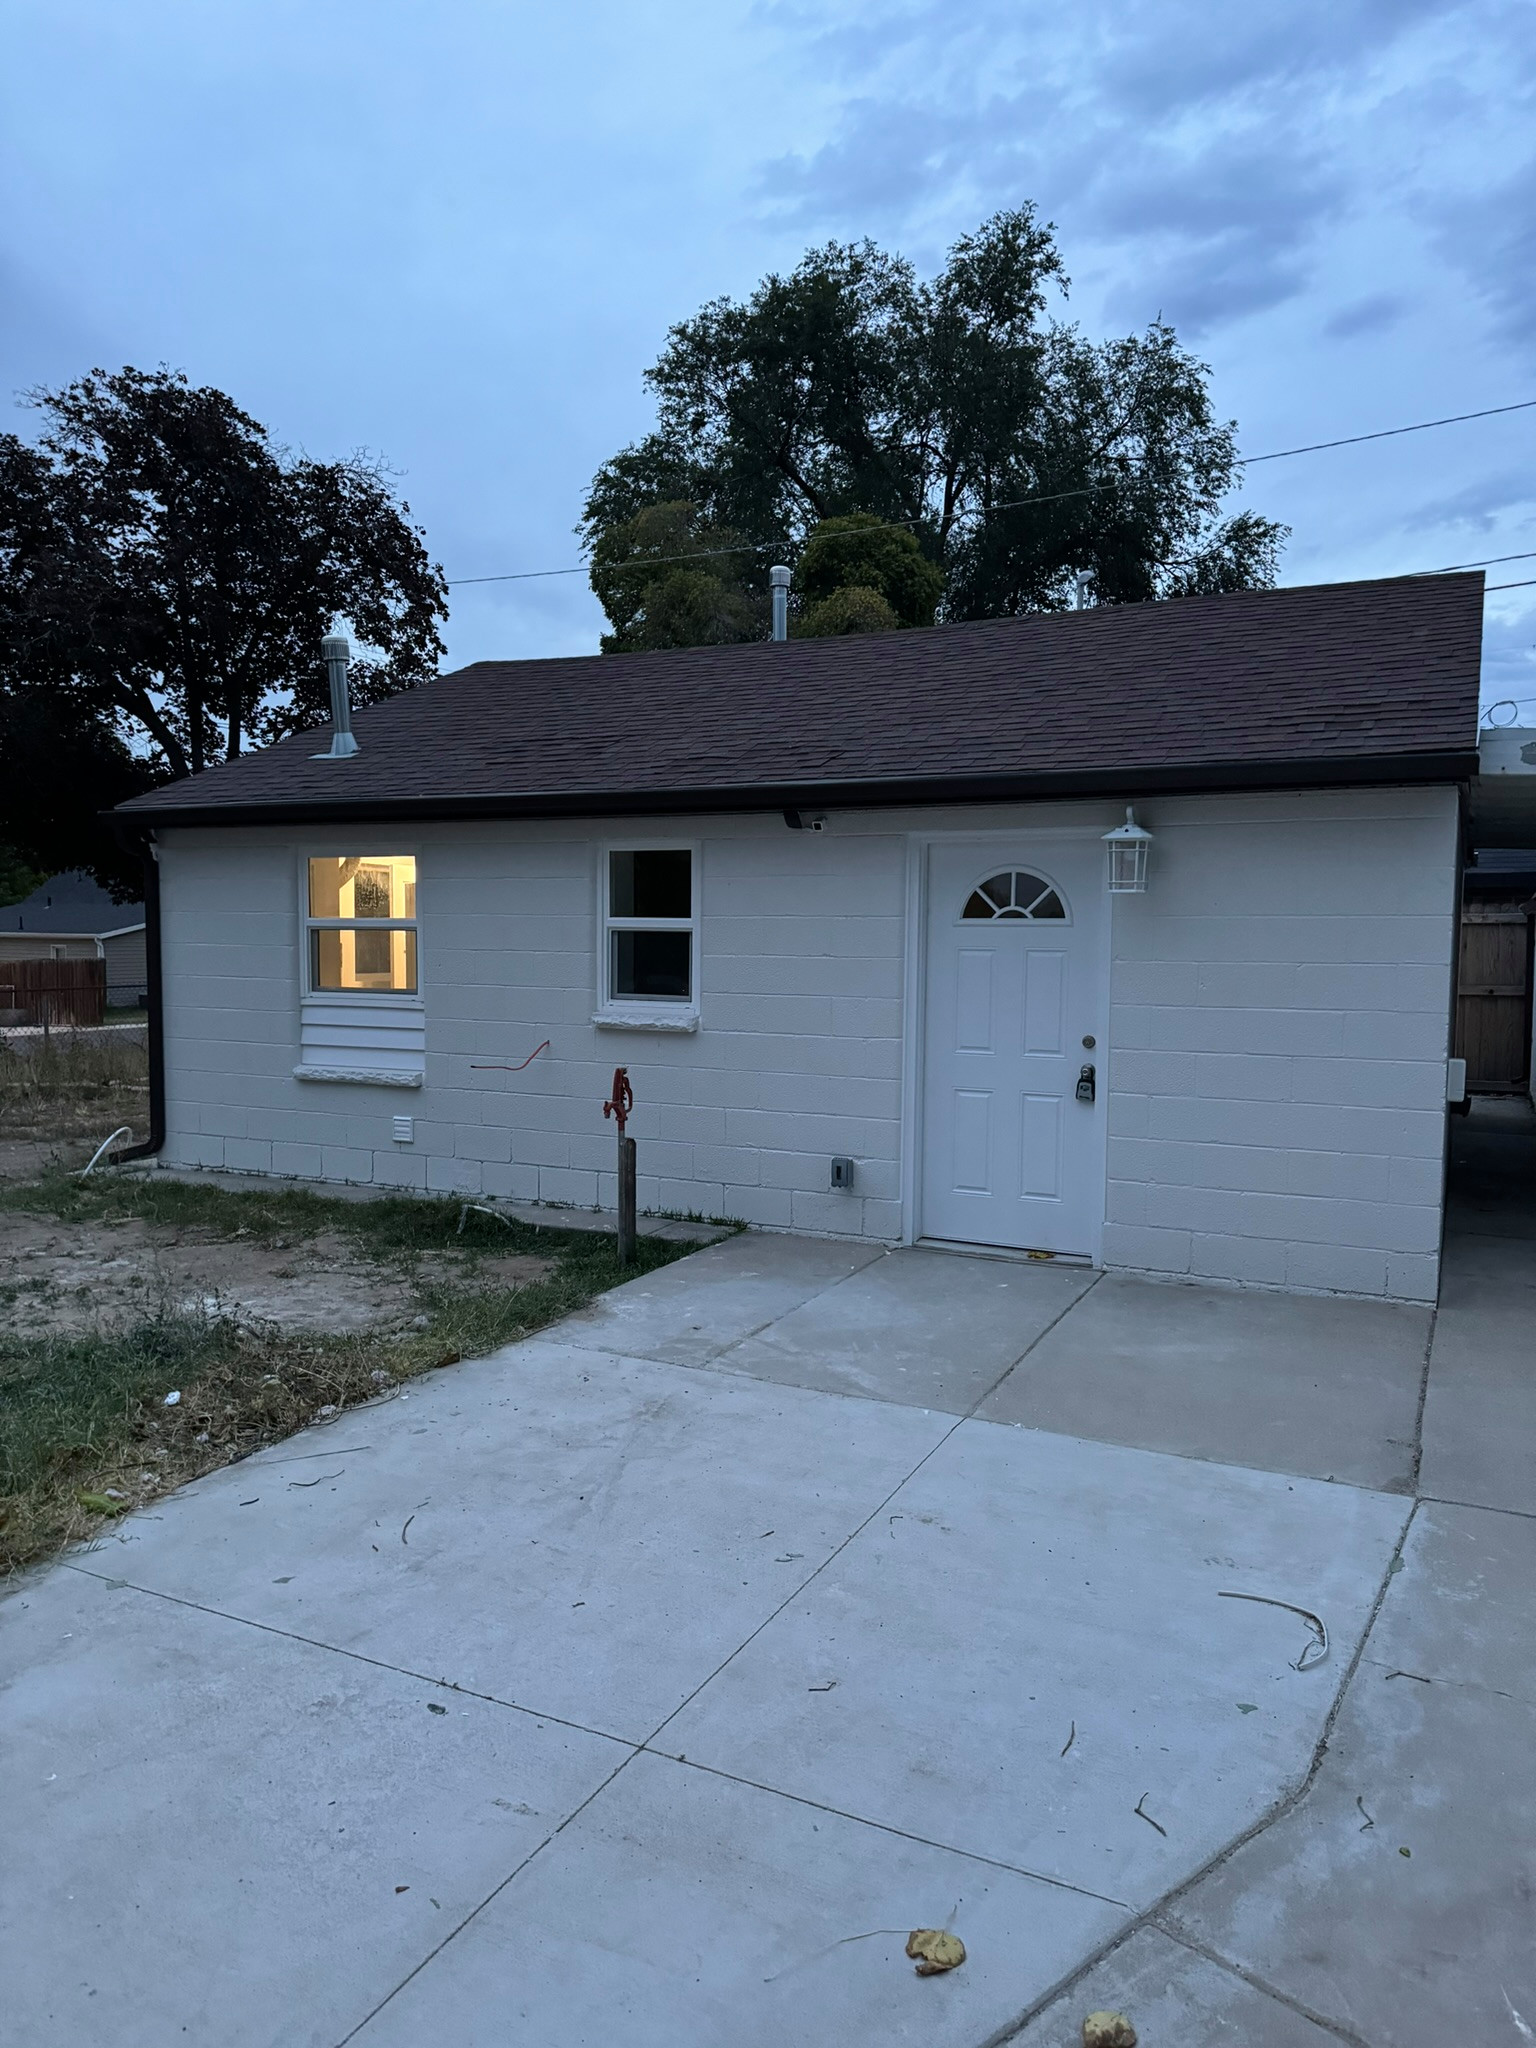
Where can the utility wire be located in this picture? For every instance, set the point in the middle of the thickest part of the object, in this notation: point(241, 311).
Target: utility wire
point(1049, 498)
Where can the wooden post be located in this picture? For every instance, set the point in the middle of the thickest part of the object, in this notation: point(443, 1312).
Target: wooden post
point(626, 1201)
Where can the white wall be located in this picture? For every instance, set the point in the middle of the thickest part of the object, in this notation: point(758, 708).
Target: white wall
point(798, 1057)
point(1281, 1026)
point(1276, 1046)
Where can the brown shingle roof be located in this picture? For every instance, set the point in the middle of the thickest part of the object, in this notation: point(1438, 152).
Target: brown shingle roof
point(1334, 683)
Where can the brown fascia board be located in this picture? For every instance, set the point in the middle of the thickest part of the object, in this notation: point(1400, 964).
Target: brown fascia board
point(1202, 779)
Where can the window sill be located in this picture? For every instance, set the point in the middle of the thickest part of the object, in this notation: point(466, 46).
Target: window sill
point(372, 1077)
point(646, 1017)
point(361, 999)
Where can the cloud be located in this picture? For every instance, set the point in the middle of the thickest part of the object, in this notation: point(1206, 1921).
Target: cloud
point(1509, 654)
point(1370, 315)
point(1202, 153)
point(1489, 237)
point(1480, 505)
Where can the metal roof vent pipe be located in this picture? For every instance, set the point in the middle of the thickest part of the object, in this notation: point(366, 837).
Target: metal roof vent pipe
point(778, 585)
point(336, 652)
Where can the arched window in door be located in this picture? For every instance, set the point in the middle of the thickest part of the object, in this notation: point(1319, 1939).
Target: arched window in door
point(1015, 894)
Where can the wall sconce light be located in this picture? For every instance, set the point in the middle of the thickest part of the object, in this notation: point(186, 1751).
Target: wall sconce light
point(1128, 845)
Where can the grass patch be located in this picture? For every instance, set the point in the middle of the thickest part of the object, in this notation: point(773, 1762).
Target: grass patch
point(85, 1432)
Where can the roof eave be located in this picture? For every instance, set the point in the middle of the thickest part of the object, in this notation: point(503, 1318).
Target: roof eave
point(1195, 778)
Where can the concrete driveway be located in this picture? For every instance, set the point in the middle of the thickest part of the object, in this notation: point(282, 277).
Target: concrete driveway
point(646, 1682)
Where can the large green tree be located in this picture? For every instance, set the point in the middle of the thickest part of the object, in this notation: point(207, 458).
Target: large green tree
point(853, 386)
point(167, 572)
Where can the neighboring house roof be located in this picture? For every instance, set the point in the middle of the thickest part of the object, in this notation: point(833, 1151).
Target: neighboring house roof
point(1334, 683)
point(71, 906)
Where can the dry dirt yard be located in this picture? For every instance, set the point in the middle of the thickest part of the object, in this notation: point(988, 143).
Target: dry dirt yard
point(66, 1278)
point(152, 1330)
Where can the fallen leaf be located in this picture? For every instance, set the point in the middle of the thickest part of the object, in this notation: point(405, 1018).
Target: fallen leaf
point(399, 1888)
point(434, 1708)
point(935, 1951)
point(1108, 2030)
point(1405, 1852)
point(98, 1504)
point(1246, 1707)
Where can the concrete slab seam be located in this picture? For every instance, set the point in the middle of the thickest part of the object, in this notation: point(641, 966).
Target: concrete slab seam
point(1418, 1419)
point(884, 1827)
point(1286, 1804)
point(704, 1364)
point(1280, 1998)
point(860, 1527)
point(1477, 1507)
point(268, 1628)
point(490, 1898)
point(1335, 2028)
point(1034, 1342)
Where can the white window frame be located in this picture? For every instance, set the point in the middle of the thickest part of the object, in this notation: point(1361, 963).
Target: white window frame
point(363, 998)
point(647, 1013)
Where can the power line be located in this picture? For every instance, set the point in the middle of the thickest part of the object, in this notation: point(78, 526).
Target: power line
point(1488, 562)
point(1045, 498)
point(1386, 433)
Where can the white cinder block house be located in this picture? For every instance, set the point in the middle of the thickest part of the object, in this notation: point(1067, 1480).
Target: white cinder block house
point(842, 909)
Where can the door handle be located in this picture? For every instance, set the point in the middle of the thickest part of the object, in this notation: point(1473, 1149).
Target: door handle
point(1085, 1084)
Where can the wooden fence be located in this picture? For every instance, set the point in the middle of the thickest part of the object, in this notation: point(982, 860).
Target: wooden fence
point(62, 994)
point(1493, 998)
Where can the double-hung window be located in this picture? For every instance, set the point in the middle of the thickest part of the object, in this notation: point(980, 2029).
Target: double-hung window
point(361, 925)
point(361, 1016)
point(649, 963)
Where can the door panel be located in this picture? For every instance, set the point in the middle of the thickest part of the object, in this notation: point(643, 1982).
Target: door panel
point(973, 1001)
point(1041, 1129)
point(1045, 995)
point(971, 1111)
point(1009, 1155)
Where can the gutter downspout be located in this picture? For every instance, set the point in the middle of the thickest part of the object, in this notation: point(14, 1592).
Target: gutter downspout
point(154, 1003)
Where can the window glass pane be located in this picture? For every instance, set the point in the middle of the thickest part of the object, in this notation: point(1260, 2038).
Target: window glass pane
point(657, 884)
point(1015, 894)
point(370, 891)
point(380, 962)
point(363, 885)
point(653, 964)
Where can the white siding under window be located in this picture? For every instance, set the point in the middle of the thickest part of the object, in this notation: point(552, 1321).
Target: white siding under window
point(363, 1039)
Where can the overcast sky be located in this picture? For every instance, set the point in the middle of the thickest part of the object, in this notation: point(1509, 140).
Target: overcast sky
point(454, 232)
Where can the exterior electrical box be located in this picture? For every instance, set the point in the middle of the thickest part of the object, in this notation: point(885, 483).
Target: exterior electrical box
point(842, 1173)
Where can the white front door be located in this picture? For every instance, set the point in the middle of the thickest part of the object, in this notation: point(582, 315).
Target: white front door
point(1011, 1154)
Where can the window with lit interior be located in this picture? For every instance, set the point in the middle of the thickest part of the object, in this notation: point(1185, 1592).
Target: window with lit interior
point(361, 924)
point(648, 926)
